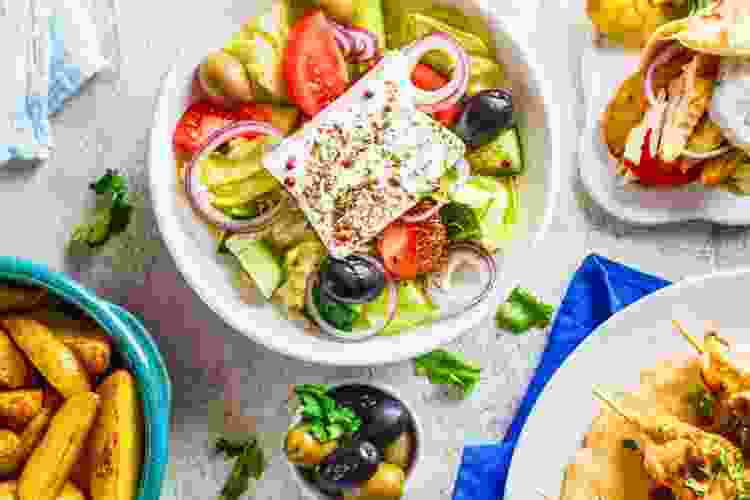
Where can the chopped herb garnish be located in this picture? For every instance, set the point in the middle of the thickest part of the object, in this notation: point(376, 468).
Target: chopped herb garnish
point(249, 464)
point(523, 310)
point(702, 401)
point(630, 444)
point(446, 368)
point(698, 488)
point(113, 217)
point(328, 421)
point(461, 221)
point(700, 7)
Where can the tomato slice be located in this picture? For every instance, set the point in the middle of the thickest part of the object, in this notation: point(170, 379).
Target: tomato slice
point(427, 78)
point(398, 247)
point(196, 125)
point(652, 172)
point(314, 67)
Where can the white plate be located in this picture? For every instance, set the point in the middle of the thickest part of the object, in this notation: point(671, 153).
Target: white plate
point(193, 248)
point(612, 357)
point(603, 70)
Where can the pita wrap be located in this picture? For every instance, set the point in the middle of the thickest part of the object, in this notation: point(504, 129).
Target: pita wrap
point(689, 76)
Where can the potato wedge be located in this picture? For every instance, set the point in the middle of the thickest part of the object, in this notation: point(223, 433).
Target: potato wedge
point(54, 360)
point(49, 465)
point(34, 431)
point(10, 445)
point(18, 407)
point(623, 113)
point(14, 370)
point(9, 491)
point(14, 298)
point(93, 348)
point(116, 444)
point(79, 474)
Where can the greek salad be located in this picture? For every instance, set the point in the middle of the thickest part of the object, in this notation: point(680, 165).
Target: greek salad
point(357, 159)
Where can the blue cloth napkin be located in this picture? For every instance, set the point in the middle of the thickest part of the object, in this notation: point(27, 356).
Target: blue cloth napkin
point(598, 289)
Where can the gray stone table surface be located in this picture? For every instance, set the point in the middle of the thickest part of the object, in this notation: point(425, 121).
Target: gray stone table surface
point(107, 126)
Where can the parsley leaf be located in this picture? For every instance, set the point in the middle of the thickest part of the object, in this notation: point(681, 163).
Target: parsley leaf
point(522, 310)
point(249, 464)
point(446, 368)
point(630, 444)
point(700, 7)
point(114, 217)
point(698, 488)
point(328, 421)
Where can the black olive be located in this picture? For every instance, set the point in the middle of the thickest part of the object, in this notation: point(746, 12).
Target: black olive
point(661, 493)
point(486, 115)
point(386, 423)
point(360, 398)
point(353, 280)
point(349, 466)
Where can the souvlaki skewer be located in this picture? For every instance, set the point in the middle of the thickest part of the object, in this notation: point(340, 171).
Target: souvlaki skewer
point(691, 462)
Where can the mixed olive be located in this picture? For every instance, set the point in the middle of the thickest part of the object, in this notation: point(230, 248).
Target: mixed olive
point(368, 464)
point(485, 116)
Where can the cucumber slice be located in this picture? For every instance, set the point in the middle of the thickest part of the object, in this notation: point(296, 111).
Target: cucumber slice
point(501, 157)
point(259, 261)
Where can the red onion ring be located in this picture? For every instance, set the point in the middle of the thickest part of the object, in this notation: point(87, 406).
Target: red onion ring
point(357, 44)
point(198, 194)
point(664, 57)
point(424, 215)
point(447, 96)
point(313, 280)
point(489, 267)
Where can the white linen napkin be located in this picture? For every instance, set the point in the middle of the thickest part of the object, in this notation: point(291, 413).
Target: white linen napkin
point(53, 51)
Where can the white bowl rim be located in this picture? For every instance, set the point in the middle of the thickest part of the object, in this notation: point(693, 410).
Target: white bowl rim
point(553, 124)
point(313, 494)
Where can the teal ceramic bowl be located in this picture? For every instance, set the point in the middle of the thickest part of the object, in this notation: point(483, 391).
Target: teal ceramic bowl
point(137, 350)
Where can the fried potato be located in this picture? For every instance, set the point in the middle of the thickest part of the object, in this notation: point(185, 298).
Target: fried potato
point(14, 298)
point(34, 431)
point(717, 170)
point(9, 450)
point(116, 444)
point(9, 491)
point(54, 360)
point(92, 347)
point(629, 22)
point(18, 407)
point(48, 467)
point(14, 370)
point(623, 113)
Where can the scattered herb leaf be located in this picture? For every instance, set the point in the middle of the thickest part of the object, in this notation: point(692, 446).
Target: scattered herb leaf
point(630, 444)
point(328, 421)
point(249, 464)
point(113, 217)
point(522, 310)
point(700, 7)
point(446, 368)
point(698, 488)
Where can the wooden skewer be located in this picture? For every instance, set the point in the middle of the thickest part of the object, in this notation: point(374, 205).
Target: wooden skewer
point(614, 406)
point(687, 336)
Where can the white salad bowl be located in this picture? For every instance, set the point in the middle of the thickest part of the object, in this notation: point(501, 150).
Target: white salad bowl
point(194, 248)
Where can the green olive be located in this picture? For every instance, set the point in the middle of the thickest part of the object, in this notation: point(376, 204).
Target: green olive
point(386, 484)
point(225, 75)
point(303, 449)
point(399, 451)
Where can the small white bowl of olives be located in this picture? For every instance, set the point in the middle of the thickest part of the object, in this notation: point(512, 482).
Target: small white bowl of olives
point(372, 460)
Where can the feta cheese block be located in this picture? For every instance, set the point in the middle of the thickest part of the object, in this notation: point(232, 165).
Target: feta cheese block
point(366, 159)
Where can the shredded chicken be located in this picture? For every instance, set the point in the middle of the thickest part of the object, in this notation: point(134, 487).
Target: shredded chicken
point(689, 97)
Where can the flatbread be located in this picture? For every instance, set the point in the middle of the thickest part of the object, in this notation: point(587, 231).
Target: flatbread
point(604, 467)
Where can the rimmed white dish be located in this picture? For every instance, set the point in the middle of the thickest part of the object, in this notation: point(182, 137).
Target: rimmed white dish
point(636, 338)
point(193, 248)
point(602, 71)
